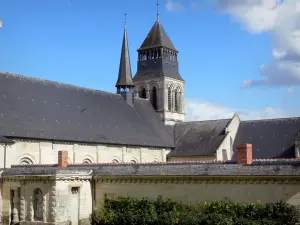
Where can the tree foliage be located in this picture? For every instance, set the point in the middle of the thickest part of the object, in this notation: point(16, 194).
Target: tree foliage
point(131, 211)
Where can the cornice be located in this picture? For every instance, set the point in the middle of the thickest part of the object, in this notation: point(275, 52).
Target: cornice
point(201, 180)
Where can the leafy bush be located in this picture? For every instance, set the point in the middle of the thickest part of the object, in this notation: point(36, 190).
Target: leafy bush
point(130, 211)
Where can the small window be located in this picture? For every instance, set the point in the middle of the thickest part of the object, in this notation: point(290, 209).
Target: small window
point(224, 155)
point(74, 190)
point(142, 93)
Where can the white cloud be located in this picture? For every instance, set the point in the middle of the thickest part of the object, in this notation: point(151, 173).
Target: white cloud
point(281, 19)
point(202, 110)
point(175, 6)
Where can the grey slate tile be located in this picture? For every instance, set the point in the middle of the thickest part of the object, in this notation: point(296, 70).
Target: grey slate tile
point(271, 138)
point(36, 108)
point(199, 138)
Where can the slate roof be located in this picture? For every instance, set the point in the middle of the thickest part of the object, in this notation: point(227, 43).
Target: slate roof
point(45, 170)
point(200, 138)
point(218, 169)
point(157, 73)
point(125, 75)
point(197, 169)
point(5, 140)
point(41, 109)
point(157, 37)
point(270, 138)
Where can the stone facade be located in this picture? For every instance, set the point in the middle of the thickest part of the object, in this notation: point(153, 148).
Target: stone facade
point(67, 193)
point(45, 152)
point(54, 199)
point(168, 91)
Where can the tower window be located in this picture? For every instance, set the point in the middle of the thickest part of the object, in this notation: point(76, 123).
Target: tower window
point(177, 100)
point(144, 57)
point(142, 93)
point(153, 98)
point(169, 99)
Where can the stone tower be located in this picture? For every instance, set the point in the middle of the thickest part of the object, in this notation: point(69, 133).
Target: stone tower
point(124, 83)
point(158, 78)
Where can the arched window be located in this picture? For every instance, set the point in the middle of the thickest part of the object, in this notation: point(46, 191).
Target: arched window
point(169, 99)
point(177, 100)
point(142, 93)
point(115, 161)
point(153, 98)
point(26, 161)
point(87, 161)
point(133, 161)
point(38, 204)
point(144, 58)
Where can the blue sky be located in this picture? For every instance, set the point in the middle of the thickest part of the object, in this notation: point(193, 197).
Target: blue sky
point(221, 48)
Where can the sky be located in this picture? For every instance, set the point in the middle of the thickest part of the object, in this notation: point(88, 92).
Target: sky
point(236, 56)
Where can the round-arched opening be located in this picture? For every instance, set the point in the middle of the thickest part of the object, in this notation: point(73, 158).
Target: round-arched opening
point(142, 93)
point(115, 161)
point(38, 204)
point(25, 161)
point(87, 161)
point(133, 161)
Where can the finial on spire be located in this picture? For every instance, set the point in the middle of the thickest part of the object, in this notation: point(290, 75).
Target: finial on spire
point(125, 15)
point(157, 10)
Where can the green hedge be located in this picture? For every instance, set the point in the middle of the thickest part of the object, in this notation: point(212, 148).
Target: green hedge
point(130, 211)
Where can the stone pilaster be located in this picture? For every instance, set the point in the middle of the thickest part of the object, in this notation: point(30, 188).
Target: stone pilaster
point(52, 203)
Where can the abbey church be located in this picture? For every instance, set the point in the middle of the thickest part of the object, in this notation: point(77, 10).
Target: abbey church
point(63, 148)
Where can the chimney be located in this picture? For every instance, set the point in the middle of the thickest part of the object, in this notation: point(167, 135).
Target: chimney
point(62, 159)
point(244, 154)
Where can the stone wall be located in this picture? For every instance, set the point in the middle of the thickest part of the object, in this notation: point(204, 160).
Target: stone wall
point(225, 150)
point(1, 189)
point(56, 206)
point(64, 190)
point(201, 190)
point(36, 152)
point(7, 186)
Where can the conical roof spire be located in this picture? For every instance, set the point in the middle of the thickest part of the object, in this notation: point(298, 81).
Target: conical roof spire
point(125, 75)
point(157, 37)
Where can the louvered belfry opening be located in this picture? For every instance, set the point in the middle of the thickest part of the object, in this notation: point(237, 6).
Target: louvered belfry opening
point(153, 97)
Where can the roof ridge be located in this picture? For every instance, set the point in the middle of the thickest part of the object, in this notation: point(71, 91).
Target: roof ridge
point(55, 82)
point(204, 120)
point(268, 119)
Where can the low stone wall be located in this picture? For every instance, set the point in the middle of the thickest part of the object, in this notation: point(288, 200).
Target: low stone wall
point(201, 190)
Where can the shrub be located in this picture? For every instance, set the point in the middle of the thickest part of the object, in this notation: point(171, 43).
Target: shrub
point(131, 211)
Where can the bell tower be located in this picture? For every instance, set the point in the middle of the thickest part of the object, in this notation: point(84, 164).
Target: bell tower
point(157, 77)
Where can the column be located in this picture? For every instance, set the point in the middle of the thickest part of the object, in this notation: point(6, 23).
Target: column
point(16, 202)
point(22, 203)
point(44, 208)
point(30, 209)
point(52, 203)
